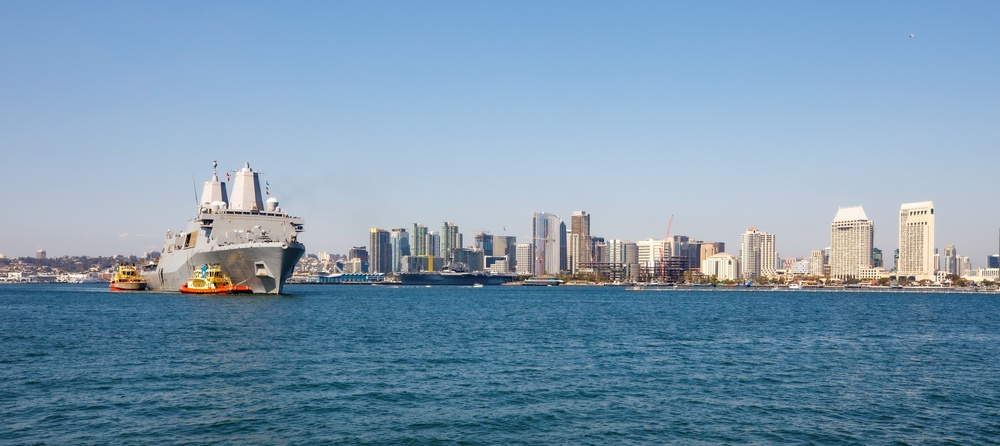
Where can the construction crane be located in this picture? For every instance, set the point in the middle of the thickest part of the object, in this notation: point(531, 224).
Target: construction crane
point(663, 251)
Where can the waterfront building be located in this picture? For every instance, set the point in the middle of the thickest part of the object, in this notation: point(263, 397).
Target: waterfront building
point(950, 260)
point(723, 266)
point(524, 253)
point(816, 263)
point(380, 251)
point(581, 246)
point(851, 237)
point(916, 241)
point(873, 273)
point(799, 268)
point(548, 232)
point(418, 240)
point(399, 241)
point(758, 256)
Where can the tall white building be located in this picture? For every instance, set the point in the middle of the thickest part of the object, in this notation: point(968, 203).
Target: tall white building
point(650, 252)
point(723, 266)
point(916, 241)
point(758, 255)
point(523, 255)
point(816, 263)
point(851, 237)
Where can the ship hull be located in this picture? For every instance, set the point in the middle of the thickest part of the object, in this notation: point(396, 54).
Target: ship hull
point(263, 267)
point(453, 279)
point(128, 286)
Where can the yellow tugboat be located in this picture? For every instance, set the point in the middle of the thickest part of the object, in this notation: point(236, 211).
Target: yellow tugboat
point(210, 279)
point(127, 279)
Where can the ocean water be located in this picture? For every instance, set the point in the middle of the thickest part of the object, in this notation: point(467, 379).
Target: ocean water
point(497, 365)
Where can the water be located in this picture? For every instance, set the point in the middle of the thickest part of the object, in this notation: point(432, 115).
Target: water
point(497, 365)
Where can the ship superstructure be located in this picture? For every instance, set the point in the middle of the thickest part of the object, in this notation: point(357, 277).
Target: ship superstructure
point(254, 242)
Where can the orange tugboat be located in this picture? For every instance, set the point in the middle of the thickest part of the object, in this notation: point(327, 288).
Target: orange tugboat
point(211, 280)
point(127, 279)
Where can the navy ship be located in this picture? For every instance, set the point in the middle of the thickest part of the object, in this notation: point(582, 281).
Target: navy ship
point(454, 278)
point(254, 242)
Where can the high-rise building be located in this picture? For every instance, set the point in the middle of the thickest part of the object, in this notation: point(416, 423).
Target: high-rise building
point(950, 260)
point(964, 266)
point(650, 252)
point(380, 251)
point(450, 240)
point(916, 241)
point(877, 261)
point(433, 244)
point(524, 253)
point(581, 246)
point(758, 255)
point(484, 242)
point(816, 263)
point(399, 241)
point(625, 253)
point(548, 232)
point(993, 261)
point(418, 240)
point(40, 254)
point(851, 237)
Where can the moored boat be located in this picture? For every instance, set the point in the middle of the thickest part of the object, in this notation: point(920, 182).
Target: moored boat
point(210, 279)
point(127, 278)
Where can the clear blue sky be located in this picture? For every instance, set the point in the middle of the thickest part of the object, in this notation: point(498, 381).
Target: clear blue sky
point(381, 114)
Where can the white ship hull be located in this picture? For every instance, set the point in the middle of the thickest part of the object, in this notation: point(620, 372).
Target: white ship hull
point(263, 267)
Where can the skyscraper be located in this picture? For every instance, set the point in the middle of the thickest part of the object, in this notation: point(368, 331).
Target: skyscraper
point(851, 237)
point(399, 241)
point(450, 240)
point(418, 240)
point(950, 260)
point(380, 251)
point(581, 243)
point(916, 241)
point(758, 255)
point(548, 233)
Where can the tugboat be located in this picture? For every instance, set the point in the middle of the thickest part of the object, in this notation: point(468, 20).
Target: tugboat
point(127, 278)
point(211, 280)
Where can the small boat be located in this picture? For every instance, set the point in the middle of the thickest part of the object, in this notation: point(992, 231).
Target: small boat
point(477, 285)
point(127, 278)
point(210, 279)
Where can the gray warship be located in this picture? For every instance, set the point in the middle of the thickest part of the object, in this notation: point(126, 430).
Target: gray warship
point(254, 242)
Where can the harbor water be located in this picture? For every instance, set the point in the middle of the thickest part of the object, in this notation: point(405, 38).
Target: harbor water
point(332, 364)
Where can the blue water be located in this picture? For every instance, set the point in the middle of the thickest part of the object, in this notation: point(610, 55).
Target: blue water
point(497, 365)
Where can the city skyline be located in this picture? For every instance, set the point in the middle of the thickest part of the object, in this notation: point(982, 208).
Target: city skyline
point(727, 116)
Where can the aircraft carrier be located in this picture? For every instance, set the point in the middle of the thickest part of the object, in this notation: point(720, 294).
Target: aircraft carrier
point(255, 242)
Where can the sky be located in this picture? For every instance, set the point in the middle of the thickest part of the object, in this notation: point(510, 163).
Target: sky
point(724, 114)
